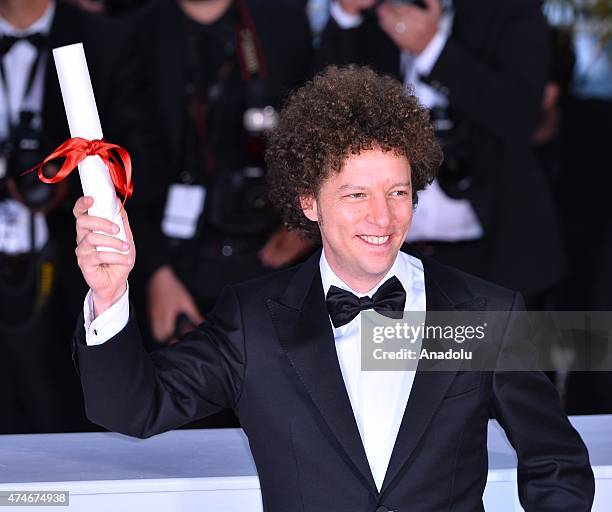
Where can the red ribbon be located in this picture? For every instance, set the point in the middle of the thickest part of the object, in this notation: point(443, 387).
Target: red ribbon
point(76, 150)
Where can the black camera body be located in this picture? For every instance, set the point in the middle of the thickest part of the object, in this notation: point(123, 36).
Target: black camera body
point(454, 174)
point(20, 153)
point(237, 202)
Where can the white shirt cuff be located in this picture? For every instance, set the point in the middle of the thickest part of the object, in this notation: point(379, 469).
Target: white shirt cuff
point(426, 60)
point(106, 325)
point(343, 18)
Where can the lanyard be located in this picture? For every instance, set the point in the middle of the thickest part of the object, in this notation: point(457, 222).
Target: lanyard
point(252, 67)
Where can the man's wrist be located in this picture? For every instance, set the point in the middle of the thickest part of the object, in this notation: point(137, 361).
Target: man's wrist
point(101, 304)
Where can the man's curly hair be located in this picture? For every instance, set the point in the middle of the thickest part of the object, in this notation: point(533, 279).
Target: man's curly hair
point(344, 111)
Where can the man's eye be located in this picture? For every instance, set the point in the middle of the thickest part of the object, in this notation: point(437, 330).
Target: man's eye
point(356, 195)
point(400, 192)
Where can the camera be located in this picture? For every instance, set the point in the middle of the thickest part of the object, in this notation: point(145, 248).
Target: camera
point(454, 173)
point(238, 202)
point(23, 151)
point(27, 279)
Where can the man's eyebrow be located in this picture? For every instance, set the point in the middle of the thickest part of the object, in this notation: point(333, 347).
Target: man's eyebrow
point(351, 187)
point(360, 187)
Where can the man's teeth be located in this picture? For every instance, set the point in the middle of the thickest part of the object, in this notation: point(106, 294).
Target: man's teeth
point(376, 240)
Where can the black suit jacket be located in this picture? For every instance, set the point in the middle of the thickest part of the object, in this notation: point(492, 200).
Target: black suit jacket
point(267, 351)
point(492, 69)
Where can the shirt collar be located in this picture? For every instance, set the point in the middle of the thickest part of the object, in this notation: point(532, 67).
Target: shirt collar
point(41, 25)
point(407, 268)
point(329, 277)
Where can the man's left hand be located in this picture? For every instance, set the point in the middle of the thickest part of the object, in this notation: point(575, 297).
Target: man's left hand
point(410, 27)
point(167, 299)
point(282, 248)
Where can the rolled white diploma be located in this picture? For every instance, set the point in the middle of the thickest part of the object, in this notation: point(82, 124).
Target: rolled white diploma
point(84, 122)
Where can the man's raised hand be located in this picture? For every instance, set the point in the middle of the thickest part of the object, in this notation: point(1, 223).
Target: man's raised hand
point(355, 7)
point(105, 272)
point(410, 27)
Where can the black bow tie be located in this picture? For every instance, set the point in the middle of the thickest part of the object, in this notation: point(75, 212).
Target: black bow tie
point(343, 306)
point(38, 40)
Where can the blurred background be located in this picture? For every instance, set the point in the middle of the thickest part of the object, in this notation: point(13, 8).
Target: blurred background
point(520, 95)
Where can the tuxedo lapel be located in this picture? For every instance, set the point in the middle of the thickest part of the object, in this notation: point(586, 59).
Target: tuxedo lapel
point(429, 387)
point(302, 324)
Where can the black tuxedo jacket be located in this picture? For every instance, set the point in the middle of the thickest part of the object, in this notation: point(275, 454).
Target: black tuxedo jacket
point(492, 69)
point(267, 351)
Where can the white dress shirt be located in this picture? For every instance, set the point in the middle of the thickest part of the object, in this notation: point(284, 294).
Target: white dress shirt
point(15, 217)
point(437, 217)
point(378, 398)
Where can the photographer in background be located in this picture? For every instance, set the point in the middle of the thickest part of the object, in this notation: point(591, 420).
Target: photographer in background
point(481, 68)
point(220, 70)
point(40, 287)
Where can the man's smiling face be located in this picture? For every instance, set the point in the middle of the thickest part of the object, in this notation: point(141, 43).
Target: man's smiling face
point(364, 213)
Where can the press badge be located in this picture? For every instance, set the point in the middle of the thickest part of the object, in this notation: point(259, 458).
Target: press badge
point(184, 205)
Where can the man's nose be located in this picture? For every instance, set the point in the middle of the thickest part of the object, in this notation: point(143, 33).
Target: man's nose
point(379, 212)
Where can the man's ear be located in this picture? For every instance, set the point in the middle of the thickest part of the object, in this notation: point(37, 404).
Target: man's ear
point(309, 207)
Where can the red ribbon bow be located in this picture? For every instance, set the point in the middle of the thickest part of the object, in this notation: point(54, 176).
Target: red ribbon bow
point(76, 150)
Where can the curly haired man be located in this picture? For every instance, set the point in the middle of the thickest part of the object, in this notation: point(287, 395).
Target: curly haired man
point(350, 153)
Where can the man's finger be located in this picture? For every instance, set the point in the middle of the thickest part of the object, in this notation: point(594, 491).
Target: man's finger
point(102, 240)
point(114, 258)
point(82, 233)
point(82, 205)
point(91, 223)
point(410, 13)
point(389, 24)
point(84, 248)
point(92, 259)
point(193, 313)
point(386, 10)
point(434, 7)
